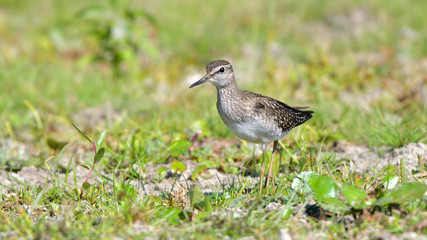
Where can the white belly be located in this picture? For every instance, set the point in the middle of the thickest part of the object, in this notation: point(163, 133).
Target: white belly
point(247, 124)
point(253, 132)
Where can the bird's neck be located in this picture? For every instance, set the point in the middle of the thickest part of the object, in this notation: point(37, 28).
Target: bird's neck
point(229, 89)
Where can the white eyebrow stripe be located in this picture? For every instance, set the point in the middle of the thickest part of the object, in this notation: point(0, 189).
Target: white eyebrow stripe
point(217, 68)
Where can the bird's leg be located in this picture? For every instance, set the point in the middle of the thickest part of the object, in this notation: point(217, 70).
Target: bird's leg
point(270, 167)
point(262, 170)
point(253, 158)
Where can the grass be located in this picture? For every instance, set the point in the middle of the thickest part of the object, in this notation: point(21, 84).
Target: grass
point(360, 66)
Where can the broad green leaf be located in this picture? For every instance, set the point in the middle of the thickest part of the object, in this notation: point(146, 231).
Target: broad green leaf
point(99, 155)
point(179, 147)
point(178, 167)
point(391, 182)
point(404, 193)
point(285, 212)
point(334, 204)
point(162, 172)
point(199, 200)
point(196, 195)
point(197, 171)
point(86, 185)
point(326, 193)
point(301, 182)
point(353, 195)
point(101, 139)
point(323, 187)
point(55, 144)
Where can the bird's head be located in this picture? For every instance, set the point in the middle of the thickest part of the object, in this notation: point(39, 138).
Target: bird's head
point(219, 73)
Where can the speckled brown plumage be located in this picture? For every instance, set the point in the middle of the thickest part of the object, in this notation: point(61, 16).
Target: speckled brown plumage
point(215, 64)
point(285, 116)
point(251, 116)
point(273, 119)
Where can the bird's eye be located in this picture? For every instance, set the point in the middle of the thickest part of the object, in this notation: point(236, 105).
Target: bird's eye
point(222, 69)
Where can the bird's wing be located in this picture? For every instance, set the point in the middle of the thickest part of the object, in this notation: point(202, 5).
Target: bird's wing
point(286, 116)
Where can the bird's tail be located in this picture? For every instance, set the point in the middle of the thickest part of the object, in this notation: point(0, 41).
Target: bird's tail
point(303, 115)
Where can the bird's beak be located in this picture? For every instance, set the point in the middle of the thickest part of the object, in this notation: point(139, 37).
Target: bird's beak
point(202, 80)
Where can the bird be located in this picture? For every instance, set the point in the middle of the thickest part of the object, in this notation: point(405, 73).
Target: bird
point(251, 116)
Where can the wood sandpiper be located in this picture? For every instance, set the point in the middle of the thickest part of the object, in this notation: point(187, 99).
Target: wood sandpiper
point(250, 116)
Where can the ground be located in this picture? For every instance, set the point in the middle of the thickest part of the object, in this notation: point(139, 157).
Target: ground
point(103, 86)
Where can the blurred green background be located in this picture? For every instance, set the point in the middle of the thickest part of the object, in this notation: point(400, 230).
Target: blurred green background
point(125, 67)
point(360, 65)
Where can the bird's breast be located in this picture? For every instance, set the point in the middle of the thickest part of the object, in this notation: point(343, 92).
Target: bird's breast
point(246, 124)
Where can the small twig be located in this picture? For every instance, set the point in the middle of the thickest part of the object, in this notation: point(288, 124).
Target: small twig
point(176, 178)
point(330, 172)
point(419, 175)
point(45, 162)
point(185, 179)
point(93, 166)
point(193, 139)
point(141, 179)
point(91, 170)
